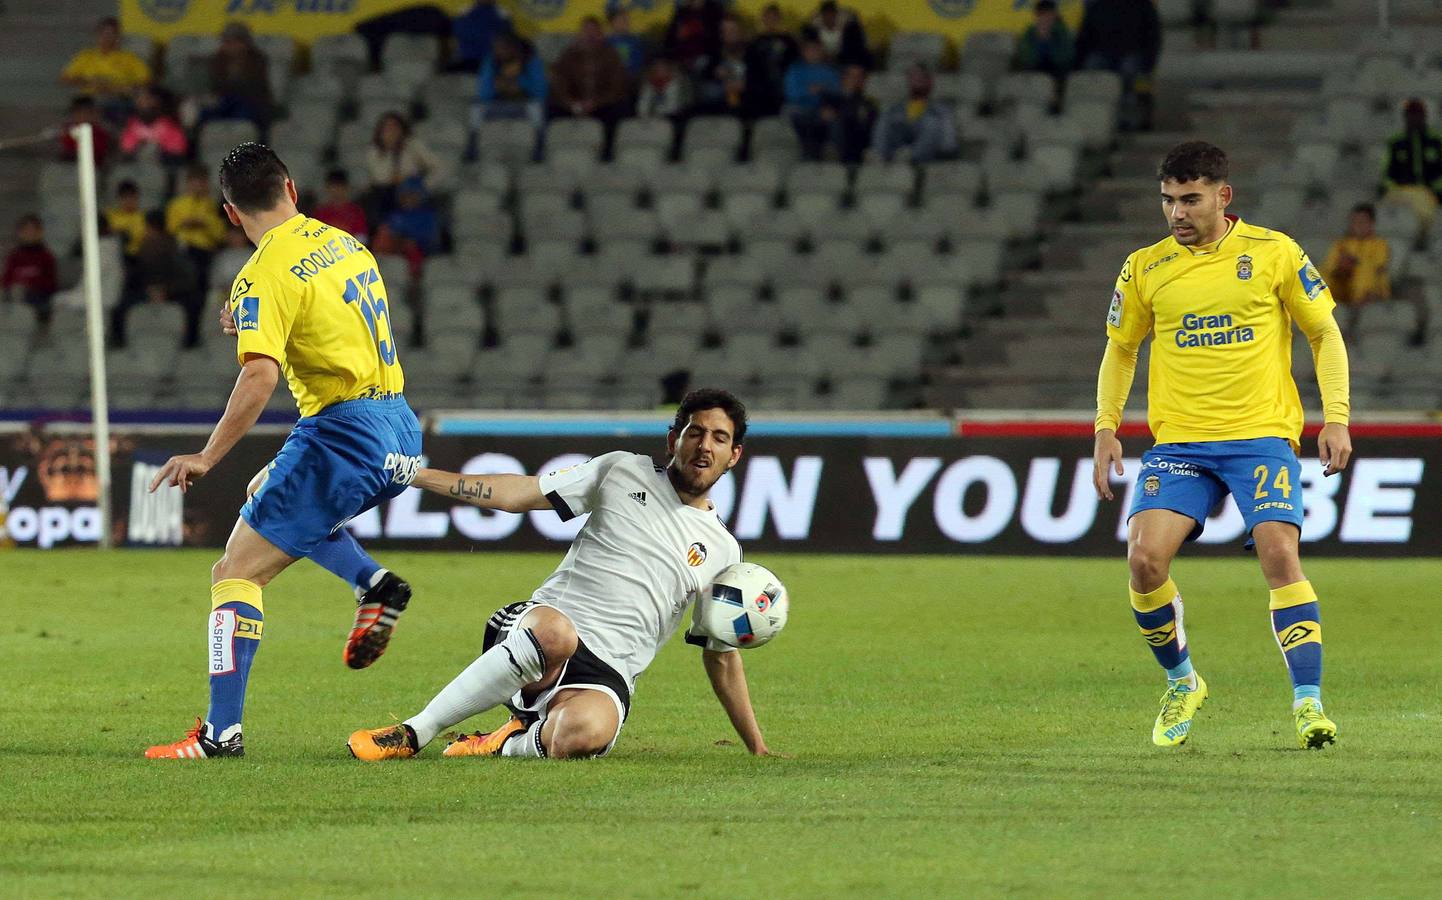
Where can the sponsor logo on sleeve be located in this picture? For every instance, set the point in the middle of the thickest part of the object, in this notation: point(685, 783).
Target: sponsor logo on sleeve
point(1114, 312)
point(247, 314)
point(1312, 283)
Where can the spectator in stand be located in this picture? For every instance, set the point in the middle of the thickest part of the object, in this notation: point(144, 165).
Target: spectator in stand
point(694, 35)
point(809, 81)
point(163, 273)
point(476, 30)
point(851, 115)
point(512, 83)
point(589, 79)
point(30, 272)
point(631, 46)
point(84, 111)
point(925, 128)
point(723, 88)
point(339, 209)
point(193, 218)
point(239, 79)
point(108, 72)
point(665, 92)
point(1123, 36)
point(840, 32)
point(385, 242)
point(1414, 163)
point(415, 221)
point(1358, 272)
point(126, 219)
point(393, 156)
point(1047, 45)
point(153, 129)
point(768, 57)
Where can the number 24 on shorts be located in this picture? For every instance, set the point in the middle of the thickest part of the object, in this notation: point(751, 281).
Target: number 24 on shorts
point(1283, 482)
point(358, 290)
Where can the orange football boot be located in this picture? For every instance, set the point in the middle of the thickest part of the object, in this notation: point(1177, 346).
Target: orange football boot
point(377, 744)
point(375, 621)
point(198, 745)
point(488, 744)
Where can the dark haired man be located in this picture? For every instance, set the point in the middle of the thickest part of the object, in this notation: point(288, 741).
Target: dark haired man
point(566, 660)
point(309, 303)
point(1218, 297)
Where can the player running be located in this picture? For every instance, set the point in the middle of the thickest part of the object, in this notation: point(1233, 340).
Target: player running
point(309, 303)
point(1218, 297)
point(566, 660)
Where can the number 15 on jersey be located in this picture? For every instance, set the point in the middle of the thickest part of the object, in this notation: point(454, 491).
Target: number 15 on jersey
point(358, 290)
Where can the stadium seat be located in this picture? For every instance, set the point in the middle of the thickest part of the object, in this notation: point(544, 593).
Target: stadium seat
point(342, 55)
point(1022, 89)
point(551, 44)
point(907, 47)
point(582, 136)
point(988, 54)
point(511, 142)
point(968, 91)
point(774, 140)
point(219, 136)
point(655, 135)
point(720, 132)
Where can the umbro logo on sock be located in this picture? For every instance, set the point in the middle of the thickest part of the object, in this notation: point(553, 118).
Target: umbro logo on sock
point(638, 496)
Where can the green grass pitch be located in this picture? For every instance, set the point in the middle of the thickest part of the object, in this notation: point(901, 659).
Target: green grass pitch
point(960, 727)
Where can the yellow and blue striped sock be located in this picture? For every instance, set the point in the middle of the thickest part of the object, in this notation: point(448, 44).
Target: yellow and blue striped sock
point(1159, 615)
point(1297, 621)
point(237, 620)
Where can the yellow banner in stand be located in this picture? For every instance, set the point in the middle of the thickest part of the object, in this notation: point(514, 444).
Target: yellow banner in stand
point(306, 20)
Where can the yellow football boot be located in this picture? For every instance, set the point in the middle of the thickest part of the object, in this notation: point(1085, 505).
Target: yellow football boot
point(1179, 704)
point(1314, 729)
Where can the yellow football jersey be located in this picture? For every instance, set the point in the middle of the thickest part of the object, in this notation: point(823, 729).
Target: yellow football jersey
point(1220, 317)
point(311, 298)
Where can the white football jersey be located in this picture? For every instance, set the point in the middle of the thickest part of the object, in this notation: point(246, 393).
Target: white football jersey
point(637, 563)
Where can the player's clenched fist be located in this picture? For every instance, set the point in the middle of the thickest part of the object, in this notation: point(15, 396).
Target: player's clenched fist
point(1106, 456)
point(179, 471)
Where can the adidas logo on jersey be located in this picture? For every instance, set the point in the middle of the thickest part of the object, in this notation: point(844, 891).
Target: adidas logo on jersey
point(638, 496)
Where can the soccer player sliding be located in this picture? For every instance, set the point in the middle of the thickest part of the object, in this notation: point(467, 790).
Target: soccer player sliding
point(566, 661)
point(1218, 298)
point(309, 303)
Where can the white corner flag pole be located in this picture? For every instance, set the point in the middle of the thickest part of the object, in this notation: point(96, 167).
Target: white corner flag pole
point(95, 325)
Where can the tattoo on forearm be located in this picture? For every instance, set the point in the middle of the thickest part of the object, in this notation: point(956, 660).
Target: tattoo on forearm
point(475, 490)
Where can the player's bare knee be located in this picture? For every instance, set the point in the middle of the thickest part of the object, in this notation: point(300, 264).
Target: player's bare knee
point(1149, 567)
point(579, 737)
point(555, 634)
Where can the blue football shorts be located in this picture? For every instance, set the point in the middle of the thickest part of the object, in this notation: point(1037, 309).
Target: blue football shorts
point(334, 466)
point(1262, 475)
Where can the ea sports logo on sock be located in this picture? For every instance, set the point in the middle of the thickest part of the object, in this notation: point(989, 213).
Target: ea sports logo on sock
point(165, 11)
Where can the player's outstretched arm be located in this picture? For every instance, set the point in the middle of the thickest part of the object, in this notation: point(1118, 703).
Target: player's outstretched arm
point(728, 680)
point(257, 381)
point(508, 493)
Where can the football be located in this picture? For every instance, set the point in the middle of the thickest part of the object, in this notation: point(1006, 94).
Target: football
point(746, 606)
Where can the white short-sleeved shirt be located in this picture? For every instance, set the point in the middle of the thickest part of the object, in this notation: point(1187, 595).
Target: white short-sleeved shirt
point(637, 563)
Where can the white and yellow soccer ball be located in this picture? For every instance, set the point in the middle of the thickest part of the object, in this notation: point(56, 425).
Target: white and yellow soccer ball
point(746, 606)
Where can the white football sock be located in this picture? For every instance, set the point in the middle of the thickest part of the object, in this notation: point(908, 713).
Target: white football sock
point(526, 744)
point(489, 681)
